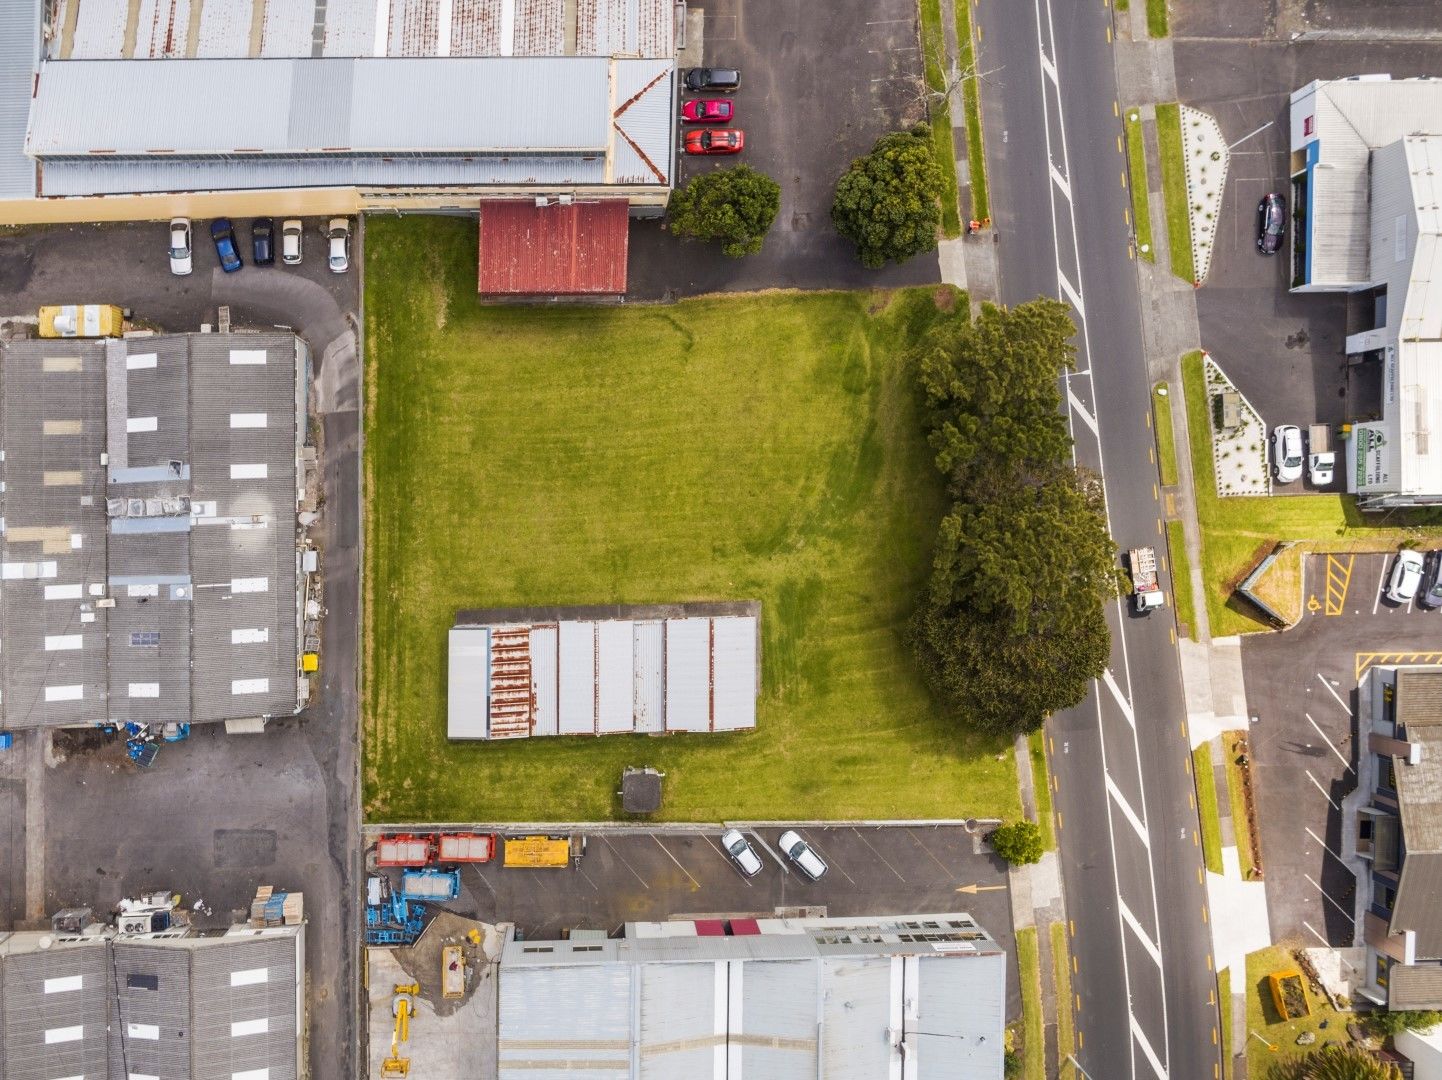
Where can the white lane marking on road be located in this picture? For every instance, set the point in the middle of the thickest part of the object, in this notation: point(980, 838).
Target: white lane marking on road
point(1047, 67)
point(1377, 600)
point(1121, 698)
point(1128, 813)
point(1327, 897)
point(1087, 418)
point(1323, 790)
point(1330, 689)
point(1075, 297)
point(1059, 180)
point(1141, 1038)
point(675, 860)
point(1345, 763)
point(1131, 920)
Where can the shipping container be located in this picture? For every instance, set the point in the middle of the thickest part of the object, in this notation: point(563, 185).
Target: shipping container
point(467, 847)
point(81, 320)
point(537, 851)
point(431, 884)
point(403, 850)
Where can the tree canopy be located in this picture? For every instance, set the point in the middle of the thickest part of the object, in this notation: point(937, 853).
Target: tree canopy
point(735, 206)
point(1011, 628)
point(1019, 843)
point(887, 203)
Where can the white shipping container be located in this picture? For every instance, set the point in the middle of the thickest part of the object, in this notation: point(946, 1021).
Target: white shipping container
point(401, 852)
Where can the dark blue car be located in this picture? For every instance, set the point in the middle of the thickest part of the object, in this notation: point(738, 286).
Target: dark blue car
point(224, 236)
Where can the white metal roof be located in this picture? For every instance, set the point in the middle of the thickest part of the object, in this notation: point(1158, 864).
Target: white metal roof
point(19, 53)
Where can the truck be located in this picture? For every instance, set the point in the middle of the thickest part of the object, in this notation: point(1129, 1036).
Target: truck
point(1146, 590)
point(1321, 458)
point(81, 320)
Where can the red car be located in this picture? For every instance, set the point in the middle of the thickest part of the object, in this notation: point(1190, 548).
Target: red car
point(708, 111)
point(715, 141)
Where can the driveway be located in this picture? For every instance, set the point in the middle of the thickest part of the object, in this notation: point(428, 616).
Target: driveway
point(218, 815)
point(819, 87)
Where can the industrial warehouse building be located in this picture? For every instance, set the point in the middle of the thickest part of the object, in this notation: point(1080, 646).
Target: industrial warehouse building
point(603, 670)
point(174, 1004)
point(278, 108)
point(148, 502)
point(1367, 203)
point(918, 997)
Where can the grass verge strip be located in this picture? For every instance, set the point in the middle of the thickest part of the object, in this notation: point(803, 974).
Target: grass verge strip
point(1041, 783)
point(1166, 437)
point(1141, 200)
point(933, 48)
point(1157, 18)
point(1028, 965)
point(1181, 580)
point(971, 106)
point(1238, 796)
point(1207, 807)
point(1061, 966)
point(1174, 190)
point(1224, 1015)
point(1262, 1016)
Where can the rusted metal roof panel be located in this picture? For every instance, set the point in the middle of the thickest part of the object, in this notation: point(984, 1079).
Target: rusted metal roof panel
point(530, 250)
point(414, 28)
point(540, 29)
point(625, 28)
point(476, 27)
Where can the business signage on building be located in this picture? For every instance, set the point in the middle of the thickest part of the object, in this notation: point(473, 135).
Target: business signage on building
point(1372, 456)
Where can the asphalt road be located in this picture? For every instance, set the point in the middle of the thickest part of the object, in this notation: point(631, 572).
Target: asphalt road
point(1130, 859)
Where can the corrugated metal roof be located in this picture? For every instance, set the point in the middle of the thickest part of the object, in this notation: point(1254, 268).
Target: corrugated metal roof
point(544, 679)
point(644, 120)
point(530, 250)
point(467, 706)
point(1414, 986)
point(680, 1006)
point(688, 675)
point(615, 677)
point(19, 54)
point(531, 104)
point(555, 1021)
point(576, 662)
point(736, 684)
point(952, 1043)
point(649, 651)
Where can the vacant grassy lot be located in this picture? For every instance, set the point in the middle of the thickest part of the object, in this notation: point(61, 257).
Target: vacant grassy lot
point(1262, 1016)
point(1237, 531)
point(1033, 1035)
point(762, 447)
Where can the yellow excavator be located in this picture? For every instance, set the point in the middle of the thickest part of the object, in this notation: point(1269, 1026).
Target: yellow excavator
point(403, 1007)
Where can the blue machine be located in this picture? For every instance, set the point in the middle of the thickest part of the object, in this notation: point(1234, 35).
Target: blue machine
point(7, 740)
point(175, 732)
point(391, 919)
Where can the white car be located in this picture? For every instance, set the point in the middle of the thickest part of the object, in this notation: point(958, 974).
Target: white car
point(1287, 454)
point(291, 232)
point(181, 262)
point(800, 852)
point(339, 234)
point(1406, 578)
point(741, 852)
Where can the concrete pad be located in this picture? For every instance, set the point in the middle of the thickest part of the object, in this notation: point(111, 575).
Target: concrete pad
point(952, 254)
point(1229, 693)
point(1238, 914)
point(455, 1045)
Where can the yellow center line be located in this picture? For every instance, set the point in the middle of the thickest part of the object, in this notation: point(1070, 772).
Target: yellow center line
point(1124, 178)
point(1116, 109)
point(1119, 144)
point(1109, 35)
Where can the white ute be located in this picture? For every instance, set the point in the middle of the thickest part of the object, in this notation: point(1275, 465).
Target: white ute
point(1321, 458)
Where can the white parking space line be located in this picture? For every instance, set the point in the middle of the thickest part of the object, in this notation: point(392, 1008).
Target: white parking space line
point(1121, 699)
point(1327, 897)
point(1381, 578)
point(1325, 848)
point(1323, 790)
point(880, 856)
point(826, 858)
point(1151, 947)
point(1151, 1055)
point(1127, 812)
point(1332, 690)
point(594, 886)
point(1087, 418)
point(675, 860)
point(489, 887)
point(1325, 943)
point(624, 863)
point(729, 861)
point(944, 868)
point(1345, 763)
point(781, 862)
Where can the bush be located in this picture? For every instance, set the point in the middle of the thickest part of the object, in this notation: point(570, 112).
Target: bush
point(1386, 1022)
point(1335, 1062)
point(888, 202)
point(735, 206)
point(1019, 843)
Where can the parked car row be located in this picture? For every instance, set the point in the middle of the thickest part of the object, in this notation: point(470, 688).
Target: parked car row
point(1289, 454)
point(802, 854)
point(262, 244)
point(1414, 574)
point(712, 111)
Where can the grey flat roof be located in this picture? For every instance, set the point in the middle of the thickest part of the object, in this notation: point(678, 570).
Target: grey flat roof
point(19, 54)
point(162, 586)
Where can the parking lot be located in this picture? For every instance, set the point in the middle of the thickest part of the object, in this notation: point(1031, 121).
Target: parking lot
point(631, 875)
point(217, 815)
point(1301, 693)
point(818, 88)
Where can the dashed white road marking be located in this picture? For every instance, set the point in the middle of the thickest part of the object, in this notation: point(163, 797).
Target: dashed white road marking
point(1127, 812)
point(1121, 698)
point(1151, 946)
point(1059, 180)
point(1141, 1038)
point(1087, 418)
point(1340, 757)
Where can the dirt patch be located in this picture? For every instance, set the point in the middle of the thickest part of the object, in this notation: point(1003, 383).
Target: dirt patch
point(1239, 751)
point(944, 297)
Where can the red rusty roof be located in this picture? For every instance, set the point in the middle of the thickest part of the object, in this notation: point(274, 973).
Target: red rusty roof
point(530, 250)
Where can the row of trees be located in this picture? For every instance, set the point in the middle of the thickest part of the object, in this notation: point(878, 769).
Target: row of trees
point(1010, 628)
point(887, 203)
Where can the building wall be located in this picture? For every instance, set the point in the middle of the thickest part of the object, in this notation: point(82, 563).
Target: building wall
point(1425, 1050)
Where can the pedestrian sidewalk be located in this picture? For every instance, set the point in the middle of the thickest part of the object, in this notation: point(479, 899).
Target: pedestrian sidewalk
point(1036, 903)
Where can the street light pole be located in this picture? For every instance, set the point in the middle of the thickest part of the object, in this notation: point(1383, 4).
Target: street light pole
point(1077, 1064)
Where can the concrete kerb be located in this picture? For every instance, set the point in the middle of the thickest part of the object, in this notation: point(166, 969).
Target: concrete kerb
point(360, 1039)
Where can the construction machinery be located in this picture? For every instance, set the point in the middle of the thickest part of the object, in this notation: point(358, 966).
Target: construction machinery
point(391, 919)
point(402, 1007)
point(538, 851)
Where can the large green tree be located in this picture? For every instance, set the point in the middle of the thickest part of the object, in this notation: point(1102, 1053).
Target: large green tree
point(735, 206)
point(1011, 627)
point(1335, 1062)
point(888, 202)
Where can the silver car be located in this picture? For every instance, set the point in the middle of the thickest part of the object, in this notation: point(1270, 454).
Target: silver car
point(741, 852)
point(339, 236)
point(1287, 453)
point(802, 854)
point(292, 233)
point(181, 261)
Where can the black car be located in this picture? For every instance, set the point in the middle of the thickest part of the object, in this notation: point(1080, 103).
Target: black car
point(262, 235)
point(720, 80)
point(1271, 223)
point(1431, 594)
point(224, 237)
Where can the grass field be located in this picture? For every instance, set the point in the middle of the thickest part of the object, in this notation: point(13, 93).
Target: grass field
point(971, 105)
point(764, 447)
point(1262, 1015)
point(1041, 777)
point(1207, 807)
point(1061, 968)
point(1181, 566)
point(1237, 531)
point(1137, 181)
point(933, 41)
point(1028, 965)
point(1157, 18)
point(1224, 1013)
point(1174, 189)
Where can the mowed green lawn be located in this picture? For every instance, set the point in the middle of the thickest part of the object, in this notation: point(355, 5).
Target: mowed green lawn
point(764, 446)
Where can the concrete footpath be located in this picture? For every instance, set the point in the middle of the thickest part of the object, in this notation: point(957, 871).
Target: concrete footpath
point(1036, 903)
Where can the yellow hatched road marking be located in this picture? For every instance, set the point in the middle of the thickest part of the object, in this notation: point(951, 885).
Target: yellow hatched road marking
point(1373, 659)
point(1339, 577)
